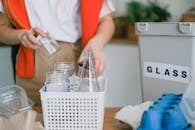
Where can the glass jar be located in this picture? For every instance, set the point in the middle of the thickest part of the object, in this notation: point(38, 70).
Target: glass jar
point(50, 46)
point(65, 67)
point(55, 81)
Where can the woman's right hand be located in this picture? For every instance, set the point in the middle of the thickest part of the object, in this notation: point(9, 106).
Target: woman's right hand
point(28, 37)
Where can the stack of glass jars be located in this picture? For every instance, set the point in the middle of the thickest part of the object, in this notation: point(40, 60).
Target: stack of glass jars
point(64, 78)
point(13, 99)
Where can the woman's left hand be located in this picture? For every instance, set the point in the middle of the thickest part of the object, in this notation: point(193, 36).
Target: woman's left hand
point(99, 56)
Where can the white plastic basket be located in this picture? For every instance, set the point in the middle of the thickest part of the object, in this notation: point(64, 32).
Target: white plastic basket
point(73, 110)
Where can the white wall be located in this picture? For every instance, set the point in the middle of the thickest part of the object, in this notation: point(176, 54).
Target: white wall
point(6, 70)
point(176, 7)
point(123, 72)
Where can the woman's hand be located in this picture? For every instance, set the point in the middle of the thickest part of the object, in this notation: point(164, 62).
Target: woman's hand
point(28, 37)
point(99, 56)
point(96, 43)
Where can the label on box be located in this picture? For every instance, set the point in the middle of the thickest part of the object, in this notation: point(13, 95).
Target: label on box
point(167, 71)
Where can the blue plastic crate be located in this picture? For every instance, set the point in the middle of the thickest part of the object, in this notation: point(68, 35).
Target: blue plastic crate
point(165, 114)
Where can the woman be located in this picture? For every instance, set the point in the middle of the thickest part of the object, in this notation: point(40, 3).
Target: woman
point(62, 19)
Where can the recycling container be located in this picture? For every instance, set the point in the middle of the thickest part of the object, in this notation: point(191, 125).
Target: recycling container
point(165, 50)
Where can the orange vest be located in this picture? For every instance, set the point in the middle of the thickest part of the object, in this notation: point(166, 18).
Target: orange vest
point(16, 11)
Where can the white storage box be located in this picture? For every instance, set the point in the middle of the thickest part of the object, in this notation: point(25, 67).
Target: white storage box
point(166, 56)
point(73, 110)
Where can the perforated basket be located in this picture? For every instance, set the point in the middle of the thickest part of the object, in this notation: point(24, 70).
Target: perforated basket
point(73, 110)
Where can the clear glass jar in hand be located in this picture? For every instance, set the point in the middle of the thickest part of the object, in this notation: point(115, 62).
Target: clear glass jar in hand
point(88, 79)
point(49, 44)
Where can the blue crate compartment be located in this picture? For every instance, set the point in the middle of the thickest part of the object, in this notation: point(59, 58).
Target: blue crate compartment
point(165, 114)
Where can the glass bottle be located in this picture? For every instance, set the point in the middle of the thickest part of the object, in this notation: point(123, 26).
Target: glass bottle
point(88, 79)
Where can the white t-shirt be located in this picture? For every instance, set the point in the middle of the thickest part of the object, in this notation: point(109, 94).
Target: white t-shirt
point(61, 18)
